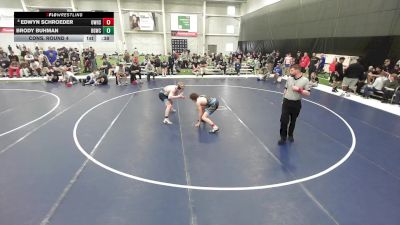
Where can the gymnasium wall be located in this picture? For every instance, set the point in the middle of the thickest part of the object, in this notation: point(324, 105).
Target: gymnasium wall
point(146, 42)
point(368, 28)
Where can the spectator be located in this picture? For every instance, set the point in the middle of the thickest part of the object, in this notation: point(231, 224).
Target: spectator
point(313, 65)
point(339, 74)
point(106, 67)
point(196, 67)
point(29, 57)
point(332, 69)
point(121, 75)
point(92, 59)
point(52, 76)
point(51, 55)
point(389, 87)
point(134, 70)
point(288, 62)
point(376, 86)
point(304, 62)
point(4, 62)
point(164, 68)
point(157, 65)
point(373, 74)
point(150, 70)
point(203, 66)
point(238, 66)
point(298, 58)
point(127, 57)
point(14, 65)
point(170, 64)
point(387, 66)
point(352, 75)
point(321, 64)
point(277, 72)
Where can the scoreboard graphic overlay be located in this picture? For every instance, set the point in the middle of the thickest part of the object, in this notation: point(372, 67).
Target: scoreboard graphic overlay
point(64, 27)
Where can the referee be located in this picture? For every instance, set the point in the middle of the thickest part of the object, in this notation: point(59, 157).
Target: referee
point(296, 86)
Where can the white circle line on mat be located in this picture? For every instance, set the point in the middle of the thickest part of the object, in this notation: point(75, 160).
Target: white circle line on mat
point(210, 188)
point(42, 116)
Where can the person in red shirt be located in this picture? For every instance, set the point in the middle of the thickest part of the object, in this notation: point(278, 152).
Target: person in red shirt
point(332, 69)
point(304, 62)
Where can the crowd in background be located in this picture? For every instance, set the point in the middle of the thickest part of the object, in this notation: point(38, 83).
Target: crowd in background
point(64, 64)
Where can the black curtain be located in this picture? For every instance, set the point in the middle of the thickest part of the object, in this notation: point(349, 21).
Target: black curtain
point(372, 49)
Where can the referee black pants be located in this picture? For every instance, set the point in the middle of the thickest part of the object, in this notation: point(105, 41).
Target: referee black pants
point(290, 112)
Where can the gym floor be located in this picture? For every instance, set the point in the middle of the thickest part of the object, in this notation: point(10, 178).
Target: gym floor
point(101, 155)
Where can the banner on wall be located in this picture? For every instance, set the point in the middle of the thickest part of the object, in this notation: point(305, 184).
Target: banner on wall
point(7, 20)
point(184, 25)
point(141, 21)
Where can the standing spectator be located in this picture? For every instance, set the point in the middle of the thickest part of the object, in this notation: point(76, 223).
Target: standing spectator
point(304, 62)
point(170, 64)
point(164, 68)
point(288, 62)
point(298, 58)
point(92, 58)
point(321, 64)
point(352, 75)
point(313, 65)
point(339, 74)
point(332, 69)
point(157, 65)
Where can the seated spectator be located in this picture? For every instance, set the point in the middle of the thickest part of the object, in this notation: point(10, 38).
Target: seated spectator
point(134, 70)
point(106, 68)
point(29, 57)
point(44, 63)
point(314, 79)
point(120, 73)
point(203, 66)
point(34, 68)
point(222, 66)
point(389, 87)
point(277, 72)
point(14, 66)
point(374, 73)
point(52, 76)
point(4, 65)
point(238, 66)
point(195, 68)
point(24, 69)
point(376, 86)
point(387, 66)
point(150, 70)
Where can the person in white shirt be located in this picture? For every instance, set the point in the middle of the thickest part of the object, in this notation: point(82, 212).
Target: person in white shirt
point(378, 85)
point(121, 75)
